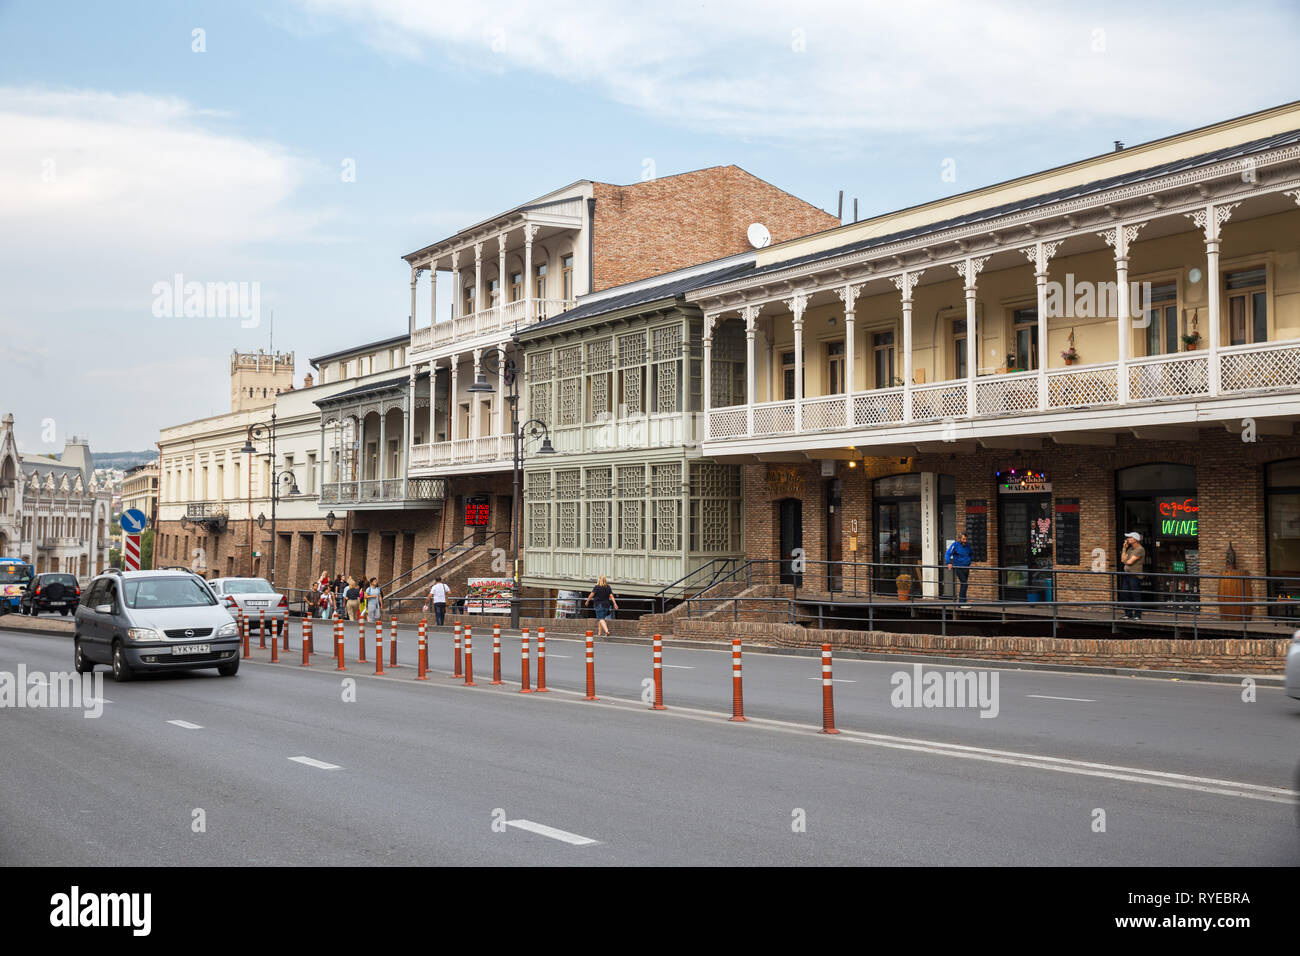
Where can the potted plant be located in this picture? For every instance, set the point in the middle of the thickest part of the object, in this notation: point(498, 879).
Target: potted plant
point(1070, 356)
point(1191, 340)
point(904, 584)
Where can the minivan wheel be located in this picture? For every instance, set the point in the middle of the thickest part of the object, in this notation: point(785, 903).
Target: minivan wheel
point(121, 669)
point(81, 662)
point(64, 611)
point(229, 670)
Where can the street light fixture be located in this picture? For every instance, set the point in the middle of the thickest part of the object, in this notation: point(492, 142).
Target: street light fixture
point(260, 431)
point(481, 386)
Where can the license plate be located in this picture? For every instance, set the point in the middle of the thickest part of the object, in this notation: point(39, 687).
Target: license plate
point(258, 603)
point(178, 649)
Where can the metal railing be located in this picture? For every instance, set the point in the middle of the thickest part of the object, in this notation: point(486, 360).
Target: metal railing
point(921, 597)
point(698, 580)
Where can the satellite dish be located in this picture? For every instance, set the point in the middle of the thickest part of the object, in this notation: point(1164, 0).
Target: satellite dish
point(758, 235)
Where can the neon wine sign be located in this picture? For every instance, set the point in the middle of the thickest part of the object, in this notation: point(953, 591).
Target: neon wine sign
point(1179, 517)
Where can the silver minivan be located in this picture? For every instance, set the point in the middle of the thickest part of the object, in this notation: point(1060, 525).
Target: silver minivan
point(138, 621)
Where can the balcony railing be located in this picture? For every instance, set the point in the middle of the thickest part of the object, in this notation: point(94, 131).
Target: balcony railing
point(489, 448)
point(1176, 376)
point(206, 509)
point(507, 316)
point(379, 491)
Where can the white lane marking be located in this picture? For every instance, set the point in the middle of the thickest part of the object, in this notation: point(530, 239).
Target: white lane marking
point(98, 700)
point(318, 764)
point(549, 654)
point(184, 724)
point(552, 832)
point(679, 667)
point(1081, 700)
point(838, 680)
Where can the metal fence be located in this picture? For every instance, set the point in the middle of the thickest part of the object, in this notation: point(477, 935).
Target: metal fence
point(924, 597)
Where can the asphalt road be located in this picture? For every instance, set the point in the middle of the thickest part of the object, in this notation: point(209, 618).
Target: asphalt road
point(1186, 773)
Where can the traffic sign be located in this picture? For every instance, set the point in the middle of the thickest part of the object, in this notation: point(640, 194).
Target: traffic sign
point(131, 552)
point(133, 521)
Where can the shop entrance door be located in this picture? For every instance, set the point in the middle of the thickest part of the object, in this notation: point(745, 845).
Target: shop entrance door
point(1024, 546)
point(791, 540)
point(834, 539)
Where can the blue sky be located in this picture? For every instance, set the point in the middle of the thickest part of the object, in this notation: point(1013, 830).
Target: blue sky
point(126, 157)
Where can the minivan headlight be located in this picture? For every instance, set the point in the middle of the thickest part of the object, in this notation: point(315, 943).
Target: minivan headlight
point(144, 634)
point(229, 630)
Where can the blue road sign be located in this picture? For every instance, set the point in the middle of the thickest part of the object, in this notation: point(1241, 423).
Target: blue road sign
point(133, 521)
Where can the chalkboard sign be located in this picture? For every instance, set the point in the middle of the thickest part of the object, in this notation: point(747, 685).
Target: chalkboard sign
point(977, 528)
point(1067, 531)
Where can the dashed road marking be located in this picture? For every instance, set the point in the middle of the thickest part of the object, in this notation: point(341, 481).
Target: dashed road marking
point(543, 830)
point(1081, 700)
point(184, 724)
point(318, 764)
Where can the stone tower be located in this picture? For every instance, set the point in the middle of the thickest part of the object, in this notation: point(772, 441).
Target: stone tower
point(256, 378)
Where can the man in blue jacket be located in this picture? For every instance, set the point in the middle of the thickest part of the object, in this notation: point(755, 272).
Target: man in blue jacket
point(958, 558)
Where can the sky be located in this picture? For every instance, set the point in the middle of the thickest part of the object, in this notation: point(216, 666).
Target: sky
point(300, 147)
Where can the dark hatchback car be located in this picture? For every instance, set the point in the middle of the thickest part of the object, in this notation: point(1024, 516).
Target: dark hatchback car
point(50, 592)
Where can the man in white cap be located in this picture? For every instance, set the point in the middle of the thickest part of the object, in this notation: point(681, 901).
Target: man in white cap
point(1130, 560)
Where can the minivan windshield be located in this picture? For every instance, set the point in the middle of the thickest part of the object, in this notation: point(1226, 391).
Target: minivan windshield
point(249, 586)
point(149, 593)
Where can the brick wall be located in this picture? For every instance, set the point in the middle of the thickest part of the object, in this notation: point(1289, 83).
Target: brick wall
point(1261, 656)
point(1230, 488)
point(647, 229)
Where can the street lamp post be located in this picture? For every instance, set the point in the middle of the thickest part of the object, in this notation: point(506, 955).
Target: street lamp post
point(481, 386)
point(258, 431)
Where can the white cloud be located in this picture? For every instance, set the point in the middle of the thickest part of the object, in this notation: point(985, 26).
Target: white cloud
point(922, 68)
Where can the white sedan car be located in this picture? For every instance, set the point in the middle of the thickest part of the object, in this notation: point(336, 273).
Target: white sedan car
point(254, 597)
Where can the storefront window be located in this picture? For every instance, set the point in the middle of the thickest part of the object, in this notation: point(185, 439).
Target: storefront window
point(1159, 502)
point(899, 544)
point(1283, 522)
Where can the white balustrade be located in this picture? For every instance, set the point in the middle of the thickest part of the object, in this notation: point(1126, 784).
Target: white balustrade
point(774, 418)
point(1259, 367)
point(1082, 386)
point(1176, 375)
point(942, 400)
point(1003, 394)
point(729, 422)
point(820, 414)
point(881, 406)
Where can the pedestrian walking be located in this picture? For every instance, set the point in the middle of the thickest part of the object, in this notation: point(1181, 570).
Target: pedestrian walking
point(958, 558)
point(1131, 558)
point(603, 596)
point(374, 603)
point(438, 598)
point(352, 594)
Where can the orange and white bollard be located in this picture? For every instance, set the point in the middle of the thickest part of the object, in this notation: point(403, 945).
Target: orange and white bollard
point(469, 657)
point(737, 691)
point(659, 675)
point(496, 654)
point(244, 625)
point(306, 642)
point(261, 629)
point(455, 639)
point(541, 661)
point(523, 664)
point(282, 625)
point(392, 643)
point(275, 649)
point(379, 647)
point(338, 645)
point(828, 693)
point(422, 661)
point(591, 670)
